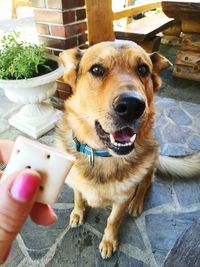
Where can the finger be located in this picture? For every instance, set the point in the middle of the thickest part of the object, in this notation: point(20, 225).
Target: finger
point(6, 147)
point(17, 197)
point(43, 214)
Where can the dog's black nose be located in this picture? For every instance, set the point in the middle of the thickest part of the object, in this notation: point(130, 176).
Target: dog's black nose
point(129, 106)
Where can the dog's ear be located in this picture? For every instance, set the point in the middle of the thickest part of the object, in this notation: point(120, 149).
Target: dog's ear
point(159, 63)
point(71, 59)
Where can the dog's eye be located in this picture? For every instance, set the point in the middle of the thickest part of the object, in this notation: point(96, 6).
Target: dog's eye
point(97, 70)
point(143, 69)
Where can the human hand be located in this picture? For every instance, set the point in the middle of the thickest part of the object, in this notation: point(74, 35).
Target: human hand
point(17, 201)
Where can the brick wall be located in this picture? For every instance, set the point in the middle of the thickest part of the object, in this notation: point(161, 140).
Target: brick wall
point(61, 24)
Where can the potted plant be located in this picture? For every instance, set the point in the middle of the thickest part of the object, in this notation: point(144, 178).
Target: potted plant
point(28, 76)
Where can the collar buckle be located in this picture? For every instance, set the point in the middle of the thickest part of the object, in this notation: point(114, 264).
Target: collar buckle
point(91, 158)
point(84, 148)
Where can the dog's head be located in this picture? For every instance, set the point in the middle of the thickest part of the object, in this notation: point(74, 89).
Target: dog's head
point(112, 92)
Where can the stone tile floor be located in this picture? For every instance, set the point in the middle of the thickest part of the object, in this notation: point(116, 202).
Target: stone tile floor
point(170, 207)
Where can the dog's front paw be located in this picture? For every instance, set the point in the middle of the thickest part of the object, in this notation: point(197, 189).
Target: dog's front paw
point(135, 207)
point(76, 218)
point(107, 248)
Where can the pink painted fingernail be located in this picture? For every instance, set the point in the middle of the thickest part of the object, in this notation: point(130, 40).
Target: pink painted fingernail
point(51, 208)
point(25, 186)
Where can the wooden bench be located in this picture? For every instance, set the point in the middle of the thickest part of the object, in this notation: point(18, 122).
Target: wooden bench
point(100, 18)
point(144, 28)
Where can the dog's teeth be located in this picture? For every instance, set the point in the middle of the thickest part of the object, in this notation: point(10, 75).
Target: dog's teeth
point(117, 144)
point(133, 138)
point(112, 140)
point(129, 143)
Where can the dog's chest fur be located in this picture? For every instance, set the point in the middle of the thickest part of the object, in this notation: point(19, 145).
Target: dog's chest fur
point(108, 183)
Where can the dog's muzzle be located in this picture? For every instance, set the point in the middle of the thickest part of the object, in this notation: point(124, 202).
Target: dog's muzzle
point(128, 108)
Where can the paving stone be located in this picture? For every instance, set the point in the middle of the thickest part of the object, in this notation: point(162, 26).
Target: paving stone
point(158, 194)
point(197, 123)
point(176, 133)
point(125, 261)
point(48, 138)
point(15, 257)
point(6, 104)
point(11, 134)
point(79, 247)
point(130, 234)
point(35, 236)
point(160, 119)
point(195, 142)
point(187, 191)
point(190, 108)
point(163, 230)
point(98, 218)
point(179, 116)
point(175, 149)
point(4, 125)
point(186, 251)
point(165, 103)
point(66, 195)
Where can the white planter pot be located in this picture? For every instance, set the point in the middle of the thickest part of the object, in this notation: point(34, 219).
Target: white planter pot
point(36, 117)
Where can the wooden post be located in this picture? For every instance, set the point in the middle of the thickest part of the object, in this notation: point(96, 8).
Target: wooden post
point(16, 3)
point(14, 9)
point(128, 4)
point(99, 21)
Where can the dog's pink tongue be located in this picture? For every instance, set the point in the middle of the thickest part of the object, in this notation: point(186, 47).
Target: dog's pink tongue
point(123, 135)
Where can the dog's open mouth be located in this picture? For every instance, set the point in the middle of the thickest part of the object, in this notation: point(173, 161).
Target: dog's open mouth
point(121, 141)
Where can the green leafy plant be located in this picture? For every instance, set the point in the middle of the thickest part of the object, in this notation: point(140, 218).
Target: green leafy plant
point(22, 60)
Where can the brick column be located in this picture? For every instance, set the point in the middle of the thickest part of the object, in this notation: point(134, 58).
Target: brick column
point(61, 25)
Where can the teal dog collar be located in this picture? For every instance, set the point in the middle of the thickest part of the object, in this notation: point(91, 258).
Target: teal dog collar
point(91, 153)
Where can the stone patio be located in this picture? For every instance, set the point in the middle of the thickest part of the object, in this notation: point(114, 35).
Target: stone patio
point(171, 206)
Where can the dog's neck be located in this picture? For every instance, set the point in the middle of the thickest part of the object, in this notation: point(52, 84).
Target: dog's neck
point(91, 153)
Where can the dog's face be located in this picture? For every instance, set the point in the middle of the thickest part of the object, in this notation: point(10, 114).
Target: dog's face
point(112, 91)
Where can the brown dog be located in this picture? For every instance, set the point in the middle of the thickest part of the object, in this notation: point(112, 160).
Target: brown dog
point(107, 126)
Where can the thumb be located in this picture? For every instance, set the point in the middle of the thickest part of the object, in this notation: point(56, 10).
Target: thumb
point(17, 196)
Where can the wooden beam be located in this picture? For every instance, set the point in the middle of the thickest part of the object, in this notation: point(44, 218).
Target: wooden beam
point(130, 11)
point(187, 10)
point(145, 28)
point(191, 26)
point(99, 21)
point(191, 42)
point(186, 72)
point(187, 58)
point(174, 30)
